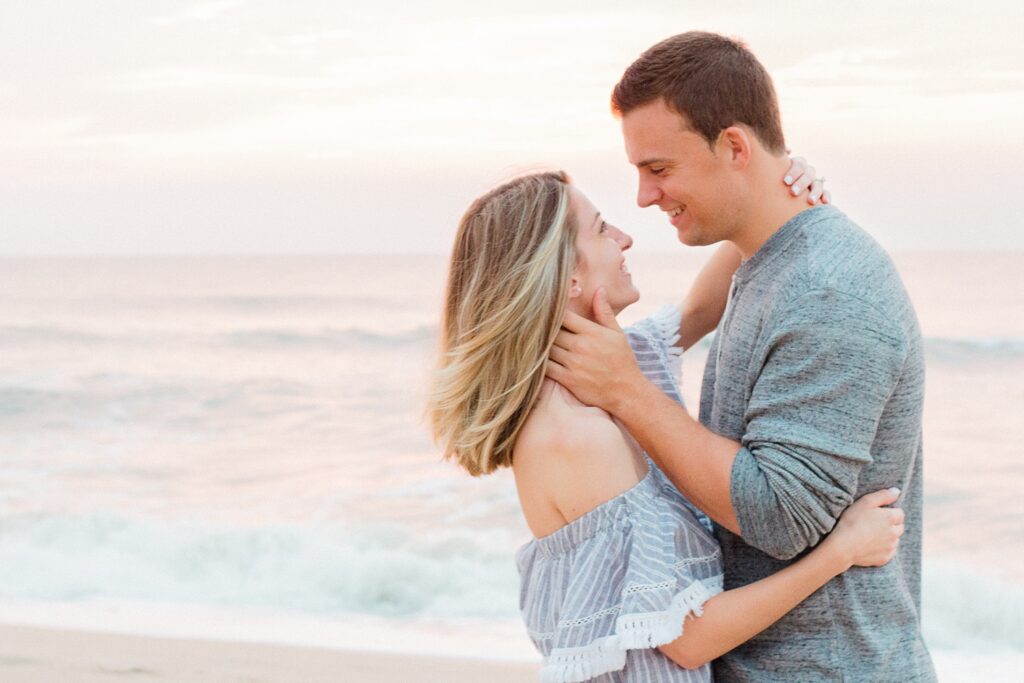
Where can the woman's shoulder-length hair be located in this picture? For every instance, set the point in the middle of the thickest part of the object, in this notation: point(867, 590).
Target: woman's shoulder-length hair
point(508, 282)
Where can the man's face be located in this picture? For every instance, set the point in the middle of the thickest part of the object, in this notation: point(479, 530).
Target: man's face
point(680, 174)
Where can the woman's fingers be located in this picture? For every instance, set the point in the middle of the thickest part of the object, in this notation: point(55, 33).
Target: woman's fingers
point(797, 169)
point(801, 178)
point(815, 191)
point(803, 182)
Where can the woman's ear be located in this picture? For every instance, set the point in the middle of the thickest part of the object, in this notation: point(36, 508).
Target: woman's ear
point(575, 290)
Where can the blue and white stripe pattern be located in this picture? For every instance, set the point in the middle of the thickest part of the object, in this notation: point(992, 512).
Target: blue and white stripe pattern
point(601, 593)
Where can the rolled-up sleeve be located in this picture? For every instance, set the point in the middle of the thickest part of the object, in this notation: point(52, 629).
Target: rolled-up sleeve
point(826, 373)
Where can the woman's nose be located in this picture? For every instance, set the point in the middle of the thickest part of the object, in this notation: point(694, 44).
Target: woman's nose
point(622, 239)
point(626, 242)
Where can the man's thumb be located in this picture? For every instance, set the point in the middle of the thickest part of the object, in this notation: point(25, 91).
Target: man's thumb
point(603, 311)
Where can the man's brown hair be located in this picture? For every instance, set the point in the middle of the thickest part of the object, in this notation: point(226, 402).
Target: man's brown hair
point(712, 81)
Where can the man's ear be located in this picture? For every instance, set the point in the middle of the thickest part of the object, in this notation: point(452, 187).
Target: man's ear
point(735, 142)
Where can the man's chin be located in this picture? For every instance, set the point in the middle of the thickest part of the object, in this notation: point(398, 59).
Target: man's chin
point(692, 238)
point(687, 239)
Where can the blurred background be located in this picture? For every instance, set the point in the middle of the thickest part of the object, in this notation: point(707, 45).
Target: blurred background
point(239, 126)
point(224, 229)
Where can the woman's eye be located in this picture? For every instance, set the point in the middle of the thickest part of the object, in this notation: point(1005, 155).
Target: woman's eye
point(604, 227)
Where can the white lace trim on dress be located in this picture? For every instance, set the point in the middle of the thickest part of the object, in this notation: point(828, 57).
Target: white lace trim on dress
point(632, 632)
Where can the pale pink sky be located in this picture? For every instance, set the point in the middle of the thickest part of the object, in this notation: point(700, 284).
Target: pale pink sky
point(241, 126)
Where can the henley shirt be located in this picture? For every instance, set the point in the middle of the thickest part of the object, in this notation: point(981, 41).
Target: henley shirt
point(817, 370)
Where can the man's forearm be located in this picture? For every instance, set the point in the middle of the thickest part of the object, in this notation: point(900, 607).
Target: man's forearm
point(698, 461)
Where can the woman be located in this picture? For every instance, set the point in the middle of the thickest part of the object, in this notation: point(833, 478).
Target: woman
point(623, 581)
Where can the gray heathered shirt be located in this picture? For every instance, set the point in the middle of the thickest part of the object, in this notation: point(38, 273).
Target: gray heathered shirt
point(817, 370)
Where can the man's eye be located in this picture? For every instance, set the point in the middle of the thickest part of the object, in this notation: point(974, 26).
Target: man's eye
point(657, 171)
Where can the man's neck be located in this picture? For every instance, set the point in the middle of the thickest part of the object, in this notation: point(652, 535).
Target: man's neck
point(772, 206)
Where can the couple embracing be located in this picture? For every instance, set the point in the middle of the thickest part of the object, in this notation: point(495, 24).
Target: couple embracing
point(778, 538)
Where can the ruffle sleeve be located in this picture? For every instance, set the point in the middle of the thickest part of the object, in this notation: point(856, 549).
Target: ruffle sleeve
point(653, 341)
point(658, 334)
point(662, 329)
point(622, 577)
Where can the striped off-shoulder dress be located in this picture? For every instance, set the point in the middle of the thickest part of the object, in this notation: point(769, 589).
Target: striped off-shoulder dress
point(601, 593)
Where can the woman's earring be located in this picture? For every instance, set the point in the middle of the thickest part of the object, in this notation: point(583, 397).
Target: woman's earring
point(575, 291)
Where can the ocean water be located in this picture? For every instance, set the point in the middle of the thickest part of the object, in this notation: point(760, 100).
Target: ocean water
point(233, 447)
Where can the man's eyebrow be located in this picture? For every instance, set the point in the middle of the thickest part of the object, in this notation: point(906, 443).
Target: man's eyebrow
point(652, 162)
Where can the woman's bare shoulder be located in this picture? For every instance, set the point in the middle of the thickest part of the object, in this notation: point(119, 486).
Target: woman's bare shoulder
point(560, 431)
point(572, 455)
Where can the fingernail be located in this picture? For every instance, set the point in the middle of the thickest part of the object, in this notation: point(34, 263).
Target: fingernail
point(895, 491)
point(813, 200)
point(788, 180)
point(796, 190)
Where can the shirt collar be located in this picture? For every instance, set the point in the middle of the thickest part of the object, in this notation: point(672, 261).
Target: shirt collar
point(781, 240)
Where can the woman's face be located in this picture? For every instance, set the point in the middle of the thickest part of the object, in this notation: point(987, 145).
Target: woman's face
point(600, 260)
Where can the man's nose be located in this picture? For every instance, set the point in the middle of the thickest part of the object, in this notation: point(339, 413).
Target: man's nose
point(647, 193)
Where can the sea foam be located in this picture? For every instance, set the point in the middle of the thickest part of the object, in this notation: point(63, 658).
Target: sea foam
point(321, 568)
point(344, 570)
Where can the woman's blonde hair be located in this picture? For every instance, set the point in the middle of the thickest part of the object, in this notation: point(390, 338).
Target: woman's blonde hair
point(508, 284)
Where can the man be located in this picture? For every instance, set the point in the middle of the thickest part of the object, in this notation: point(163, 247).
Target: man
point(814, 384)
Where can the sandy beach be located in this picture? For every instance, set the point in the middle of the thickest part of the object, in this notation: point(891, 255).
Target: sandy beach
point(44, 655)
point(37, 655)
